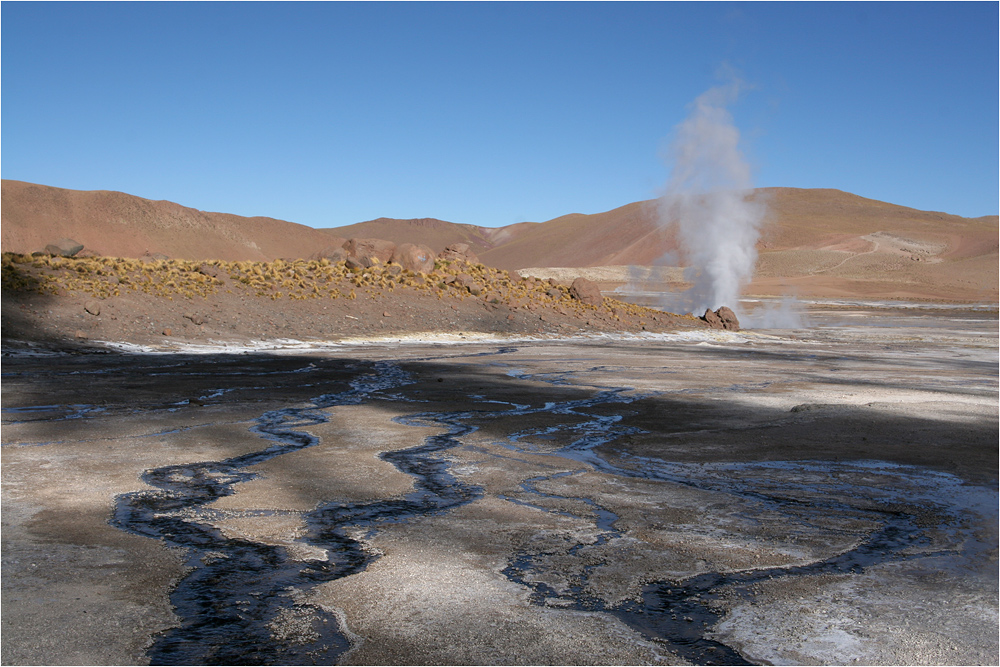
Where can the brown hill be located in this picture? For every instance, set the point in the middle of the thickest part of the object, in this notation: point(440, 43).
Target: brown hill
point(833, 243)
point(122, 225)
point(816, 242)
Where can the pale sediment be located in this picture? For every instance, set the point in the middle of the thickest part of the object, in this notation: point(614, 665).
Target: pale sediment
point(823, 496)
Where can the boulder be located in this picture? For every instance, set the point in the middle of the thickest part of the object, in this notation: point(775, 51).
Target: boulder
point(459, 251)
point(64, 248)
point(723, 318)
point(586, 291)
point(414, 257)
point(370, 249)
point(93, 307)
point(728, 317)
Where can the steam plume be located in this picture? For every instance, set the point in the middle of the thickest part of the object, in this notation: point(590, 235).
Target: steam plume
point(708, 198)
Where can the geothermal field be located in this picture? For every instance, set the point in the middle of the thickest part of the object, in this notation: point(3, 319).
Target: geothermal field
point(241, 441)
point(820, 495)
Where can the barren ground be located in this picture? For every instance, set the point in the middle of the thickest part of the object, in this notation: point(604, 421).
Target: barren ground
point(816, 496)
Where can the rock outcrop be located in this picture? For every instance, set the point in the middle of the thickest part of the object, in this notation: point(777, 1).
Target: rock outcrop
point(586, 291)
point(723, 318)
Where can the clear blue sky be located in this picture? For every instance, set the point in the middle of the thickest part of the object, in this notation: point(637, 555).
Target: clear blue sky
point(328, 114)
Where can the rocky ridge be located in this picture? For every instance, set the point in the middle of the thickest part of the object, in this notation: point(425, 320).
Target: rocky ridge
point(51, 297)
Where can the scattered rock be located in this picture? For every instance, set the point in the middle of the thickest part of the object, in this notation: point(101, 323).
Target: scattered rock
point(586, 291)
point(168, 332)
point(414, 257)
point(210, 271)
point(332, 253)
point(196, 318)
point(64, 248)
point(459, 251)
point(93, 307)
point(80, 334)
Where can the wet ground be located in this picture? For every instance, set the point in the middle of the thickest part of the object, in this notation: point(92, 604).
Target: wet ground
point(817, 496)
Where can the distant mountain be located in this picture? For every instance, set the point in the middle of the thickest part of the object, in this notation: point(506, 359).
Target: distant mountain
point(815, 242)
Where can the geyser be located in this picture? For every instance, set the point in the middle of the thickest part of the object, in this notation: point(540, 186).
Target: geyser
point(709, 199)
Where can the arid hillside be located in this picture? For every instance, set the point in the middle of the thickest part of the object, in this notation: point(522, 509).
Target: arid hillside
point(121, 225)
point(815, 242)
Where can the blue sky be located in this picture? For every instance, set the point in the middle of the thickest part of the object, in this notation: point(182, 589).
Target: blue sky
point(328, 114)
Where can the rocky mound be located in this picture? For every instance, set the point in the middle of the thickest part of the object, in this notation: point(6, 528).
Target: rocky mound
point(68, 298)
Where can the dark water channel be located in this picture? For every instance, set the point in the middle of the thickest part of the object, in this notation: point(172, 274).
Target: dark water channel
point(241, 602)
point(241, 596)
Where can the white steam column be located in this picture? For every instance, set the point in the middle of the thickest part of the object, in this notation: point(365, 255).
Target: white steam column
point(708, 199)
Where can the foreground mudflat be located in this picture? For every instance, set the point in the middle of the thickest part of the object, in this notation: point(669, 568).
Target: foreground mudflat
point(822, 496)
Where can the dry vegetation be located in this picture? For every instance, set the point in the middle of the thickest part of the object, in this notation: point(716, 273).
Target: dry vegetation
point(303, 291)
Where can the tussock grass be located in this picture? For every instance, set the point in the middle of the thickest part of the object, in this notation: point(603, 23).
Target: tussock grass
point(104, 277)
